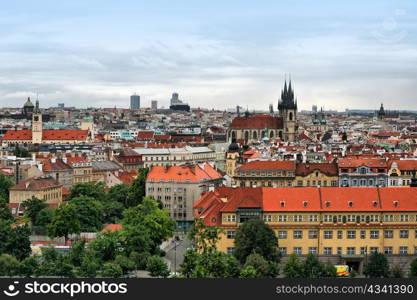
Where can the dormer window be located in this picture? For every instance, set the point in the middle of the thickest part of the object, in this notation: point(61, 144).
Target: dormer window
point(282, 203)
point(327, 203)
point(374, 203)
point(350, 203)
point(305, 203)
point(396, 203)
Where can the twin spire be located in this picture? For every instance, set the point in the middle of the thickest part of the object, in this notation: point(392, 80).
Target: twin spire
point(287, 97)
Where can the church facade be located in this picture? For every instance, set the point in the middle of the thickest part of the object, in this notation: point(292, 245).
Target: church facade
point(261, 127)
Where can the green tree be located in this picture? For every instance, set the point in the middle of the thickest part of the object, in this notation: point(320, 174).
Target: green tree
point(112, 212)
point(77, 252)
point(248, 272)
point(14, 240)
point(255, 236)
point(88, 213)
point(205, 237)
point(111, 269)
point(125, 263)
point(157, 267)
point(8, 265)
point(151, 219)
point(89, 267)
point(21, 152)
point(206, 261)
point(377, 266)
point(44, 217)
point(33, 207)
point(5, 184)
point(313, 268)
point(189, 264)
point(119, 193)
point(54, 264)
point(294, 267)
point(107, 245)
point(5, 213)
point(93, 190)
point(259, 263)
point(64, 222)
point(413, 268)
point(137, 190)
point(28, 266)
point(397, 272)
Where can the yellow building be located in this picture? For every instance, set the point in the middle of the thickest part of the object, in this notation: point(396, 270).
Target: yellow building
point(265, 173)
point(316, 174)
point(341, 225)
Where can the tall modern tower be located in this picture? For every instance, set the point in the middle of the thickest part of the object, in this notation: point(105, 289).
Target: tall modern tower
point(134, 102)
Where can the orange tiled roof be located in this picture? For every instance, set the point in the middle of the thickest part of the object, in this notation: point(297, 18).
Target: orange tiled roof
point(357, 162)
point(331, 199)
point(195, 173)
point(409, 165)
point(112, 227)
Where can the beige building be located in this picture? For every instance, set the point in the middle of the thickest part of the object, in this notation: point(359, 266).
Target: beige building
point(178, 187)
point(44, 187)
point(265, 173)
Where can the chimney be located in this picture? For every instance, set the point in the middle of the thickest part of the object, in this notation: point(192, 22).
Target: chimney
point(40, 167)
point(64, 159)
point(53, 160)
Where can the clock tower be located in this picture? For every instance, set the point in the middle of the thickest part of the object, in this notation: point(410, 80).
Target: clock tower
point(37, 125)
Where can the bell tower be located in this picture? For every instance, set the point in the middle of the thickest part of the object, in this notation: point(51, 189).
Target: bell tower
point(288, 111)
point(37, 125)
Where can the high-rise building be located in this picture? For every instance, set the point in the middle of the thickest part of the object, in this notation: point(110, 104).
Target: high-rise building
point(154, 104)
point(134, 102)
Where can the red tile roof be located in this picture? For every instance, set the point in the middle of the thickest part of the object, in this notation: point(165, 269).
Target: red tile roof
point(405, 165)
point(358, 162)
point(36, 183)
point(112, 227)
point(331, 199)
point(257, 122)
point(58, 165)
point(60, 134)
point(145, 135)
point(194, 173)
point(304, 169)
point(268, 165)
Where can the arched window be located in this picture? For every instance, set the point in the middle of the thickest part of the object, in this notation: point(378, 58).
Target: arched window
point(290, 116)
point(255, 135)
point(246, 136)
point(271, 134)
point(280, 135)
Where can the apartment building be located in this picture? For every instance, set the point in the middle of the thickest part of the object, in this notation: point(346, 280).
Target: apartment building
point(341, 225)
point(178, 187)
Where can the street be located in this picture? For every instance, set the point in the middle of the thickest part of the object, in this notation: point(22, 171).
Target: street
point(175, 255)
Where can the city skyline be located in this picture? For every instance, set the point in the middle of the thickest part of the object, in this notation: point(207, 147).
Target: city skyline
point(339, 56)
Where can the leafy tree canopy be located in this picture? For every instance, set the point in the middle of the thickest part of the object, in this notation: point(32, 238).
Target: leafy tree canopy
point(254, 236)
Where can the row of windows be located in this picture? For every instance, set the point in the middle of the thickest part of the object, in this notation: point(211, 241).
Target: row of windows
point(167, 190)
point(318, 183)
point(339, 218)
point(268, 174)
point(402, 250)
point(350, 234)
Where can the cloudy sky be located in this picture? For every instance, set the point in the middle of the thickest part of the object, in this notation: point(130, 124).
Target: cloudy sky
point(213, 53)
